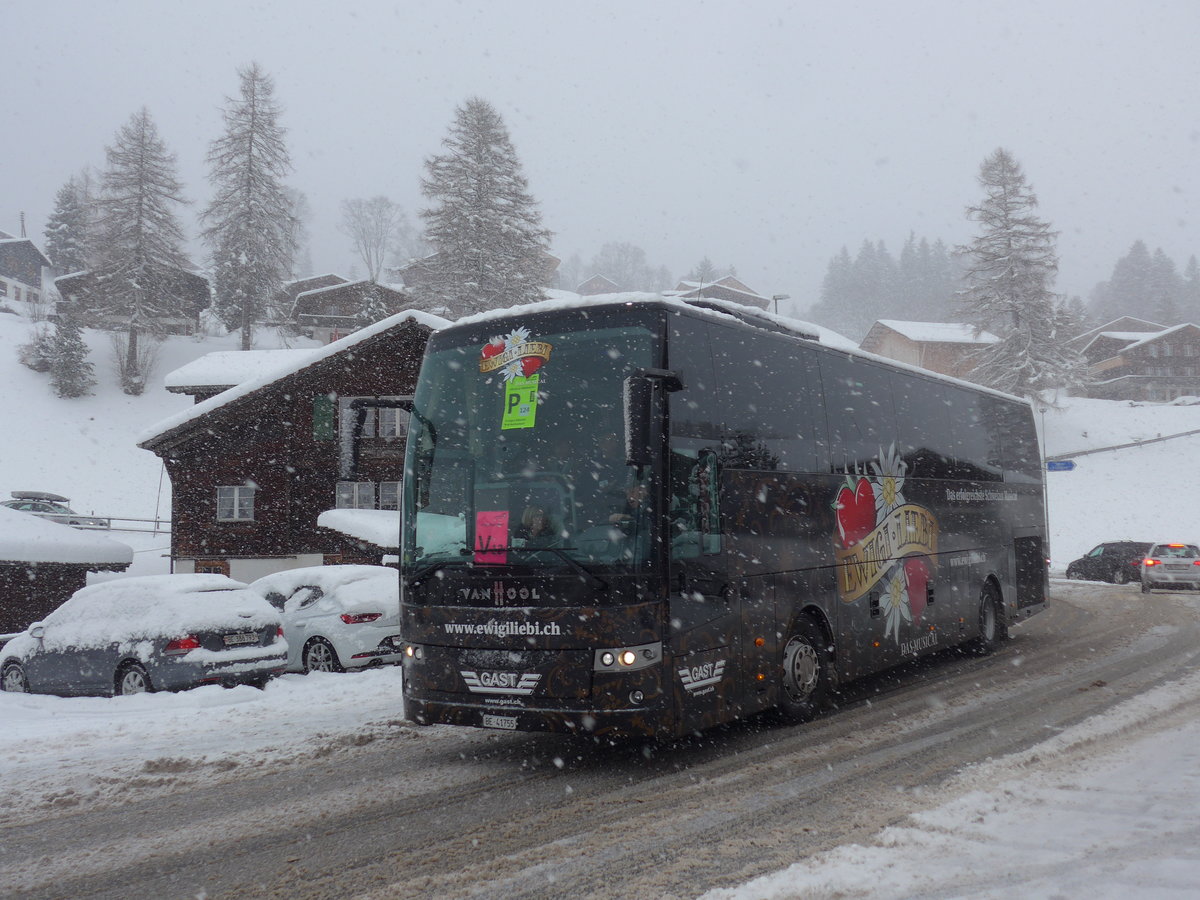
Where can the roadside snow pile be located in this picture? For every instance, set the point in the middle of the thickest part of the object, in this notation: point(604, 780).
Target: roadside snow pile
point(88, 747)
point(1073, 816)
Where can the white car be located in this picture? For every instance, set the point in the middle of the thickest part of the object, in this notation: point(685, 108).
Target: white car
point(1171, 566)
point(336, 617)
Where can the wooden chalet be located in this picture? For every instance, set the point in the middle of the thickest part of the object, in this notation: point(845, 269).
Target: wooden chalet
point(191, 290)
point(253, 468)
point(727, 288)
point(597, 284)
point(1143, 365)
point(284, 301)
point(42, 563)
point(204, 378)
point(21, 267)
point(944, 347)
point(330, 313)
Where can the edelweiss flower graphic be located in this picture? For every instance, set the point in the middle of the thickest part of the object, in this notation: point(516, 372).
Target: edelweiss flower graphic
point(889, 481)
point(895, 604)
point(514, 338)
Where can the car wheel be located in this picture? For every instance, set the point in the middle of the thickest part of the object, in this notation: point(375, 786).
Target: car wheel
point(807, 685)
point(1145, 586)
point(1074, 574)
point(13, 679)
point(992, 630)
point(1120, 576)
point(319, 656)
point(132, 678)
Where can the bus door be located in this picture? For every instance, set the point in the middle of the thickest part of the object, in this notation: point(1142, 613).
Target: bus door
point(704, 603)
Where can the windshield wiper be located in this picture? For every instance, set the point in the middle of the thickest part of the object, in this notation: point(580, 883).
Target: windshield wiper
point(561, 552)
point(425, 571)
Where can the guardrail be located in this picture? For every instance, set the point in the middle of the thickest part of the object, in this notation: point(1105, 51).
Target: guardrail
point(1141, 443)
point(155, 526)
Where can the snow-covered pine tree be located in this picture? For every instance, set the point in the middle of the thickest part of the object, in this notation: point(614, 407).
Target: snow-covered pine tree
point(1011, 265)
point(139, 250)
point(248, 225)
point(484, 226)
point(70, 371)
point(67, 228)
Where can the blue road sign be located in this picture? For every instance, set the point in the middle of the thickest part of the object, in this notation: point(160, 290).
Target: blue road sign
point(1060, 465)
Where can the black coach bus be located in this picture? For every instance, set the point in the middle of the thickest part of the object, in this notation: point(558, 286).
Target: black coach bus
point(647, 518)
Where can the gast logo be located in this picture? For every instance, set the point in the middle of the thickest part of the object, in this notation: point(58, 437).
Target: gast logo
point(500, 682)
point(697, 678)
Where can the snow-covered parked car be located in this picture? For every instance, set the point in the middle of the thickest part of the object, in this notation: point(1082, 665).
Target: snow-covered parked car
point(159, 632)
point(336, 617)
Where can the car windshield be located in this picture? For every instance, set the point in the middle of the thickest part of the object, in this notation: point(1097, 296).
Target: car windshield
point(516, 452)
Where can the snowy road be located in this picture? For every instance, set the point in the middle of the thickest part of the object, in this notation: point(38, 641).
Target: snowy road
point(388, 810)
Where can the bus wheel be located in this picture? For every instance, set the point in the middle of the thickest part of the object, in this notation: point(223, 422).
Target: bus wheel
point(806, 667)
point(991, 629)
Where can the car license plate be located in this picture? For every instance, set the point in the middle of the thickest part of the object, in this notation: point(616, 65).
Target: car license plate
point(506, 722)
point(245, 637)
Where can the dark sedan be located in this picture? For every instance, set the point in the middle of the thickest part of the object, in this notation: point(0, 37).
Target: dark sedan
point(1117, 561)
point(132, 635)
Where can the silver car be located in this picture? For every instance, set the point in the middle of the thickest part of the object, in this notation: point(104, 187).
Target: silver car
point(53, 507)
point(1171, 566)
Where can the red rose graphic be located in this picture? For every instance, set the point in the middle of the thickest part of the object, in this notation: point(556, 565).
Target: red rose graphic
point(916, 579)
point(855, 512)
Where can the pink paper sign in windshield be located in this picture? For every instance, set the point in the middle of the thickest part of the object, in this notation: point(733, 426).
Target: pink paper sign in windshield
point(491, 537)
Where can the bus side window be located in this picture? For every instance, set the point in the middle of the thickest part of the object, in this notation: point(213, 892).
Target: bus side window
point(695, 514)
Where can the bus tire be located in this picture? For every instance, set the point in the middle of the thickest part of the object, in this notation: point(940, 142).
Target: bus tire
point(807, 686)
point(992, 629)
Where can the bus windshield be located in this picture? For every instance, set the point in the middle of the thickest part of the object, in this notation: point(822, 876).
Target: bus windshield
point(516, 452)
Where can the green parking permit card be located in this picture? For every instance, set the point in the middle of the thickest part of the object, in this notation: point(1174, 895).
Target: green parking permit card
point(520, 402)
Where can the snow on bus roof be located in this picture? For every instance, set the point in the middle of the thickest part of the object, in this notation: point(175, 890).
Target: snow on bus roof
point(728, 311)
point(224, 398)
point(26, 538)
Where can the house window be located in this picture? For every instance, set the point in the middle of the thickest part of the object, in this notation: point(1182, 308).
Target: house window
point(355, 495)
point(3, 288)
point(212, 567)
point(31, 296)
point(389, 495)
point(378, 422)
point(1153, 350)
point(16, 292)
point(1189, 349)
point(235, 503)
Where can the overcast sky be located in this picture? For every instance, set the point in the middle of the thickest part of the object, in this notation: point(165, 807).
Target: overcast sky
point(763, 135)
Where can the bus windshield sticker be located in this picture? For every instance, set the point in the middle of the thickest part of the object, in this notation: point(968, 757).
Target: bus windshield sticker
point(491, 537)
point(881, 541)
point(520, 402)
point(514, 354)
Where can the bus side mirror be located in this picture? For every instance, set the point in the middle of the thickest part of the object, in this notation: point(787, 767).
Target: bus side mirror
point(638, 395)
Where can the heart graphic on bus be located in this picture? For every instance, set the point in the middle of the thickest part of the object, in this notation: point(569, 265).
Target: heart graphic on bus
point(495, 348)
point(855, 512)
point(531, 364)
point(916, 582)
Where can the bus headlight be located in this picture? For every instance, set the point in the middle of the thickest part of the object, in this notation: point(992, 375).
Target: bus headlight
point(411, 651)
point(627, 659)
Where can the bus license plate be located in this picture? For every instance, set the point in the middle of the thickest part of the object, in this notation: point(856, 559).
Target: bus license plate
point(507, 722)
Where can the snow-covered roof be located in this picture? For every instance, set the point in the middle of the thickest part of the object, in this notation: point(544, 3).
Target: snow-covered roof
point(939, 332)
point(26, 538)
point(1147, 338)
point(226, 368)
point(380, 527)
point(331, 287)
point(291, 367)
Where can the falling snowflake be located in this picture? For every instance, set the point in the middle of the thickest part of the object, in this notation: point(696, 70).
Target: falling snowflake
point(889, 480)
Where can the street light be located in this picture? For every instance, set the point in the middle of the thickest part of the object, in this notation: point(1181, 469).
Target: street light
point(777, 298)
